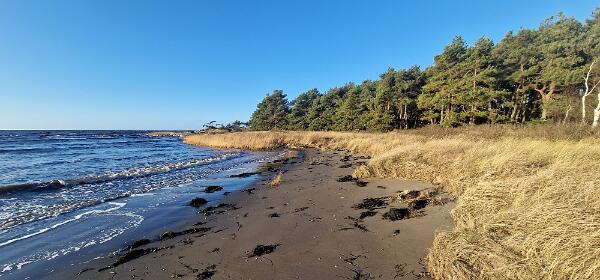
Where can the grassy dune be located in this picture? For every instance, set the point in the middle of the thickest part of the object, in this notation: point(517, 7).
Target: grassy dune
point(528, 198)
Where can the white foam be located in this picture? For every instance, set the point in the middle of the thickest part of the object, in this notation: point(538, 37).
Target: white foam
point(142, 194)
point(77, 217)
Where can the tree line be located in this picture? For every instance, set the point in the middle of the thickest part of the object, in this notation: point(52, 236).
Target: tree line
point(545, 74)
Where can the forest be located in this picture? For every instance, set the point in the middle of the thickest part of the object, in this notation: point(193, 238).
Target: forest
point(548, 74)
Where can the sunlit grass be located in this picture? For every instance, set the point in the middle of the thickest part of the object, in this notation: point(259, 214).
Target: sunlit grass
point(528, 198)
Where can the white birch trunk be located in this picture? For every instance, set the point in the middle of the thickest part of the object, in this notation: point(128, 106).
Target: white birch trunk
point(597, 112)
point(587, 92)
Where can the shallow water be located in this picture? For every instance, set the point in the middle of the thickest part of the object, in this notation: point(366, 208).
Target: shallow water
point(70, 195)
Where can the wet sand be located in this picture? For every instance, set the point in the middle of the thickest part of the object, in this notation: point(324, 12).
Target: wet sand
point(315, 224)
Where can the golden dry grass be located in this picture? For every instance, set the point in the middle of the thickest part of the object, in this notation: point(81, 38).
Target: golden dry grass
point(276, 180)
point(528, 199)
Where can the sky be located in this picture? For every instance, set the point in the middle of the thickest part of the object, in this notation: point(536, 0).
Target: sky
point(113, 64)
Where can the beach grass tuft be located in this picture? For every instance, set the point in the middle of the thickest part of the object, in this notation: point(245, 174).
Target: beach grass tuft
point(276, 180)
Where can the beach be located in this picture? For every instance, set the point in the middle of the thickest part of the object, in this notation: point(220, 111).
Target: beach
point(313, 221)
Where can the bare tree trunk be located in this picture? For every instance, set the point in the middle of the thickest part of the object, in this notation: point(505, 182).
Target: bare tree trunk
point(518, 101)
point(567, 114)
point(587, 92)
point(583, 120)
point(524, 108)
point(514, 113)
point(597, 111)
point(405, 116)
point(546, 98)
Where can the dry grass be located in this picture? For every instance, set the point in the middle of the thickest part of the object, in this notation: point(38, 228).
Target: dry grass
point(276, 180)
point(528, 198)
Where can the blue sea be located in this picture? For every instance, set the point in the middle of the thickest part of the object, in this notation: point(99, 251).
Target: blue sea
point(70, 196)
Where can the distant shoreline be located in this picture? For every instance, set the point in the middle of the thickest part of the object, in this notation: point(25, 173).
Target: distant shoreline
point(180, 134)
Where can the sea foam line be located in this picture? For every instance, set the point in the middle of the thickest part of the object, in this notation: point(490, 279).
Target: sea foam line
point(77, 217)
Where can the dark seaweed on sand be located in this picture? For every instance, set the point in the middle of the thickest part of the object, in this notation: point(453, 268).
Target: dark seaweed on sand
point(131, 255)
point(395, 214)
point(418, 204)
point(207, 273)
point(198, 201)
point(361, 183)
point(173, 234)
point(260, 250)
point(368, 213)
point(346, 178)
point(371, 203)
point(221, 208)
point(137, 243)
point(212, 189)
point(243, 175)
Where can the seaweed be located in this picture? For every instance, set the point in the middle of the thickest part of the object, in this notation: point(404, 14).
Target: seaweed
point(137, 243)
point(395, 214)
point(361, 183)
point(371, 203)
point(260, 250)
point(198, 201)
point(212, 189)
point(219, 209)
point(368, 213)
point(418, 204)
point(207, 273)
point(173, 234)
point(346, 178)
point(300, 209)
point(243, 175)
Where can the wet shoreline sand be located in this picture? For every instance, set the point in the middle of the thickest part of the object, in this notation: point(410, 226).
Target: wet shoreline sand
point(317, 223)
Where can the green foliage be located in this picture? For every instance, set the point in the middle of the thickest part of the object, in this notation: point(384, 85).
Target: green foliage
point(531, 75)
point(271, 113)
point(297, 119)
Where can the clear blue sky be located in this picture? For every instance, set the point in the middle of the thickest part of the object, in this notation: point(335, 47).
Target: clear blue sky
point(177, 64)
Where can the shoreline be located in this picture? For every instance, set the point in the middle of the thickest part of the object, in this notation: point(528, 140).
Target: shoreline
point(309, 226)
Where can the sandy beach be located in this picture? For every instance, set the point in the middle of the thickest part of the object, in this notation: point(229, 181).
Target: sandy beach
point(317, 223)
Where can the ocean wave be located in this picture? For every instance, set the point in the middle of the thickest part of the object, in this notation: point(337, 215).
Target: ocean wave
point(118, 175)
point(133, 220)
point(76, 217)
point(28, 150)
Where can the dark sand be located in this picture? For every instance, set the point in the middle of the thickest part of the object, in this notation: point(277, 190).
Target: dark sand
point(311, 223)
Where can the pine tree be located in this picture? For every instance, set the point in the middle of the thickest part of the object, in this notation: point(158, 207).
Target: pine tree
point(445, 83)
point(516, 57)
point(298, 118)
point(322, 113)
point(384, 106)
point(347, 114)
point(482, 98)
point(558, 64)
point(408, 86)
point(271, 113)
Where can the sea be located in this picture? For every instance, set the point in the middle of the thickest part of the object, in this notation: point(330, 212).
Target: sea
point(71, 196)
